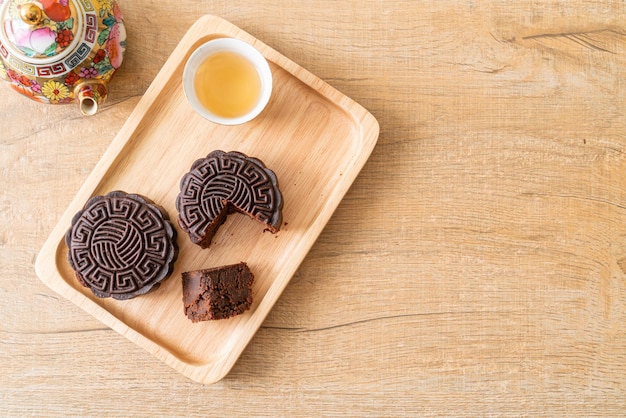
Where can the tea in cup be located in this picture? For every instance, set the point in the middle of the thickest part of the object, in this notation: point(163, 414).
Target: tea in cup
point(227, 81)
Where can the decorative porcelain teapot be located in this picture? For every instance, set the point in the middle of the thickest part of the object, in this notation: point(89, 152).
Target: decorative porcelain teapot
point(61, 51)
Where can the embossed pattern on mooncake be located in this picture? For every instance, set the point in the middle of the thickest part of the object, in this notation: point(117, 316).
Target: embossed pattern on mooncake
point(121, 245)
point(222, 183)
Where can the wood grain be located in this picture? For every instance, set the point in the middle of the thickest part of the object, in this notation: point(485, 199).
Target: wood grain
point(315, 140)
point(476, 266)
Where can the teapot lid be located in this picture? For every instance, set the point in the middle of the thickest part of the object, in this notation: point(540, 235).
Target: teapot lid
point(43, 31)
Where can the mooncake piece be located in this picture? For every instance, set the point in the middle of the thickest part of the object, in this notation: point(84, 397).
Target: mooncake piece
point(217, 293)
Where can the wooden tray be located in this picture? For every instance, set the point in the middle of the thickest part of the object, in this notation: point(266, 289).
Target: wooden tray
point(313, 137)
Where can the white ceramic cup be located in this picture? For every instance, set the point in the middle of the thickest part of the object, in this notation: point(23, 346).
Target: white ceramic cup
point(227, 45)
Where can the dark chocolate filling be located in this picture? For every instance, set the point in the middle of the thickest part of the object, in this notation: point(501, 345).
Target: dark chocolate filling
point(217, 293)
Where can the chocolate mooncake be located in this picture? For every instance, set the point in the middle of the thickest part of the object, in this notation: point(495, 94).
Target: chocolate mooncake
point(121, 245)
point(223, 183)
point(217, 293)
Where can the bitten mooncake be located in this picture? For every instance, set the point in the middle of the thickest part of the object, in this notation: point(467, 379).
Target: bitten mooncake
point(223, 183)
point(121, 245)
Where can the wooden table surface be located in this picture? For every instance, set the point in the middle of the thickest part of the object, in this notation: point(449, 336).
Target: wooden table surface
point(477, 266)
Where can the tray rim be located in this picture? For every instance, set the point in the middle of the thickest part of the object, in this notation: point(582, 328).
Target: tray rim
point(46, 264)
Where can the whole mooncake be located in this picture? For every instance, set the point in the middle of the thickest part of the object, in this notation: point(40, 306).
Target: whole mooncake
point(223, 183)
point(121, 245)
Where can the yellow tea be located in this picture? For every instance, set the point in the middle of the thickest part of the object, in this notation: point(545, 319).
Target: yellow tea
point(227, 84)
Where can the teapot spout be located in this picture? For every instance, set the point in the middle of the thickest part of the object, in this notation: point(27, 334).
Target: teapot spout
point(89, 96)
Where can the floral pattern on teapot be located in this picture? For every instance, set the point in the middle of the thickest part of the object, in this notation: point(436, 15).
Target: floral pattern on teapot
point(52, 36)
point(92, 58)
